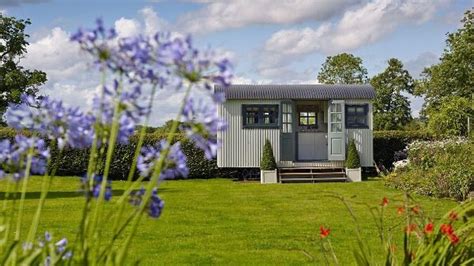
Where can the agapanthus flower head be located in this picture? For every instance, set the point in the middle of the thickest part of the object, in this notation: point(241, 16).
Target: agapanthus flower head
point(156, 204)
point(130, 110)
point(94, 189)
point(14, 156)
point(50, 118)
point(174, 165)
point(201, 124)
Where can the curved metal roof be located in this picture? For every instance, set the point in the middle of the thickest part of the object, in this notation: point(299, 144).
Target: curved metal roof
point(298, 92)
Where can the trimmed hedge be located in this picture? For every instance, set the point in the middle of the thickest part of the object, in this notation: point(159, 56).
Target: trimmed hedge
point(74, 161)
point(353, 158)
point(387, 144)
point(268, 160)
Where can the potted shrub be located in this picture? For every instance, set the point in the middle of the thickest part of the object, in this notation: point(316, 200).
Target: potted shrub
point(353, 169)
point(268, 167)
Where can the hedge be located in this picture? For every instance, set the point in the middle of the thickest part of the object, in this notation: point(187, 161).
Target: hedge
point(388, 143)
point(74, 161)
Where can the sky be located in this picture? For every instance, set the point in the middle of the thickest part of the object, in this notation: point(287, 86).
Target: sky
point(268, 41)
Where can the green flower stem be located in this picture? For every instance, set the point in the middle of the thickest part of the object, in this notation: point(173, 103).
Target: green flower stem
point(46, 184)
point(5, 218)
point(23, 193)
point(93, 157)
point(110, 150)
point(133, 167)
point(154, 178)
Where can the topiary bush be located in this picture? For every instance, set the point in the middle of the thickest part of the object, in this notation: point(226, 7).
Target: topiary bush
point(353, 158)
point(268, 160)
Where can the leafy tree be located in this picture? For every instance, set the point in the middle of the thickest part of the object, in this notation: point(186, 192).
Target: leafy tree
point(391, 108)
point(165, 128)
point(451, 117)
point(343, 69)
point(454, 75)
point(14, 79)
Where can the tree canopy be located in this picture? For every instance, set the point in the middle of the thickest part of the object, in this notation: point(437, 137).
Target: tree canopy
point(391, 107)
point(343, 69)
point(454, 75)
point(14, 79)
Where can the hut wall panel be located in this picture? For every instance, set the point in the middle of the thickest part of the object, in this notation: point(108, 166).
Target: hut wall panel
point(243, 147)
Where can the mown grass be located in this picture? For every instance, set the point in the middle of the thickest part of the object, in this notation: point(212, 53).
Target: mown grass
point(219, 221)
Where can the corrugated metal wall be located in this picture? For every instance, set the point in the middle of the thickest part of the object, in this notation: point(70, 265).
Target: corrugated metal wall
point(363, 137)
point(243, 147)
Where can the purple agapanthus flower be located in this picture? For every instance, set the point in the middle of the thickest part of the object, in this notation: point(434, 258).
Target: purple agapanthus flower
point(201, 124)
point(14, 156)
point(175, 163)
point(68, 126)
point(130, 110)
point(94, 189)
point(155, 206)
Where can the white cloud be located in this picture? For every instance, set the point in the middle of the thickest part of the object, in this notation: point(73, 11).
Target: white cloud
point(127, 27)
point(417, 65)
point(221, 15)
point(358, 27)
point(153, 22)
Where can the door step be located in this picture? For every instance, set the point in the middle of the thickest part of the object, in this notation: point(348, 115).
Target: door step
point(311, 175)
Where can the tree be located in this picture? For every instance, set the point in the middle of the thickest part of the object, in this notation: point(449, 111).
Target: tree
point(454, 75)
point(14, 79)
point(343, 69)
point(391, 108)
point(451, 117)
point(268, 160)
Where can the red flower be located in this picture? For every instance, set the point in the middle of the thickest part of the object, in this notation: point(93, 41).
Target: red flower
point(410, 228)
point(324, 232)
point(429, 228)
point(453, 238)
point(400, 210)
point(447, 229)
point(384, 202)
point(415, 210)
point(453, 216)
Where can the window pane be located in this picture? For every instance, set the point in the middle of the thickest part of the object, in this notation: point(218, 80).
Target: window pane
point(289, 119)
point(336, 107)
point(336, 127)
point(336, 117)
point(312, 121)
point(303, 114)
point(289, 129)
point(285, 108)
point(303, 121)
point(285, 119)
point(311, 114)
point(360, 110)
point(351, 110)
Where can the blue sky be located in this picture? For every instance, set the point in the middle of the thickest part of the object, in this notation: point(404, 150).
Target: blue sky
point(269, 41)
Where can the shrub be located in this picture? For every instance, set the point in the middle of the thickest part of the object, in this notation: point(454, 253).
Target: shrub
point(439, 168)
point(268, 160)
point(353, 159)
point(389, 144)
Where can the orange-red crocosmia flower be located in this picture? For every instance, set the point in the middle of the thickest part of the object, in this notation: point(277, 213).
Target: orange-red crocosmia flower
point(453, 238)
point(453, 216)
point(400, 210)
point(429, 228)
point(324, 232)
point(410, 228)
point(415, 210)
point(447, 229)
point(384, 202)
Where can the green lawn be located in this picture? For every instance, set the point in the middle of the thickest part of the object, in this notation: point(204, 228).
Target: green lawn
point(219, 221)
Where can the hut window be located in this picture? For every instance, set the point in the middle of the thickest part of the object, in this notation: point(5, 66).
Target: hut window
point(257, 116)
point(356, 116)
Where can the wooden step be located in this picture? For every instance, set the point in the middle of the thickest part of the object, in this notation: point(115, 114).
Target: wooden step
point(313, 173)
point(313, 180)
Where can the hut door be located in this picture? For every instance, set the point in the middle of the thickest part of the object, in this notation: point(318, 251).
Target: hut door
point(336, 131)
point(287, 135)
